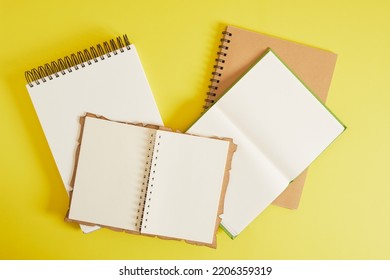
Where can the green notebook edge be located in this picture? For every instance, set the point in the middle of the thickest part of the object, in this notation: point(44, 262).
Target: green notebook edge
point(227, 231)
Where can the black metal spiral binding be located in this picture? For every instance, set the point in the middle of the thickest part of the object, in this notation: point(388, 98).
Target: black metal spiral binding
point(217, 73)
point(72, 62)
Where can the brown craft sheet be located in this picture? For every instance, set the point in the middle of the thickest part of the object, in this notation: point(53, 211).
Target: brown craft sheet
point(242, 48)
point(232, 149)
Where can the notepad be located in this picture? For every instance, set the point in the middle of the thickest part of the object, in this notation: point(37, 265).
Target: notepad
point(107, 78)
point(280, 127)
point(150, 181)
point(241, 48)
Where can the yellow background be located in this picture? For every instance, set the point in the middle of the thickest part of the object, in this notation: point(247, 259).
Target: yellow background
point(344, 213)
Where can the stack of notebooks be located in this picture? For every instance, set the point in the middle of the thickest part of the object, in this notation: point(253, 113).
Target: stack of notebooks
point(264, 123)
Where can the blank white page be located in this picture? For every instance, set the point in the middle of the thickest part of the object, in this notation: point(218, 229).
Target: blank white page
point(115, 87)
point(110, 172)
point(273, 118)
point(270, 102)
point(254, 182)
point(185, 186)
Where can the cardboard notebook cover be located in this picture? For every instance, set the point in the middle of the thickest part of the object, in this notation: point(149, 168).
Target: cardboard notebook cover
point(225, 179)
point(241, 48)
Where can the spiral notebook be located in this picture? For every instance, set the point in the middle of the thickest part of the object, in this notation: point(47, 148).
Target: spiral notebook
point(241, 48)
point(143, 179)
point(107, 79)
point(280, 127)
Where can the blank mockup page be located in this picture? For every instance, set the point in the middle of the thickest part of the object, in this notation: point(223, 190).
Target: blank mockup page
point(115, 87)
point(110, 173)
point(270, 102)
point(185, 186)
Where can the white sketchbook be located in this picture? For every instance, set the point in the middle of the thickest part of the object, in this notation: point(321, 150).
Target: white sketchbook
point(150, 181)
point(279, 127)
point(107, 79)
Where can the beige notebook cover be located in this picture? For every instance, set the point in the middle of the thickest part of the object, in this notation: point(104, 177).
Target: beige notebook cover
point(241, 48)
point(149, 180)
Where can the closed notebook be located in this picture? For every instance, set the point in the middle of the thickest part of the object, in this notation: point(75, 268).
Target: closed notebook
point(107, 79)
point(150, 181)
point(279, 127)
point(241, 48)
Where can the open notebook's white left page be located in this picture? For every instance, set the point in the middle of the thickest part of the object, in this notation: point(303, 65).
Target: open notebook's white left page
point(109, 178)
point(115, 87)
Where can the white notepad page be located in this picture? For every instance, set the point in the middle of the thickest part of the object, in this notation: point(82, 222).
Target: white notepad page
point(184, 189)
point(185, 186)
point(279, 127)
point(110, 174)
point(115, 87)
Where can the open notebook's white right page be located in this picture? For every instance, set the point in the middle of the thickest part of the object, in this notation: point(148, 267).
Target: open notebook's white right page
point(184, 190)
point(280, 128)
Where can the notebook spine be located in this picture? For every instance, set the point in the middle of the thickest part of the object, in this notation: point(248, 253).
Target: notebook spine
point(151, 182)
point(218, 69)
point(72, 62)
point(147, 177)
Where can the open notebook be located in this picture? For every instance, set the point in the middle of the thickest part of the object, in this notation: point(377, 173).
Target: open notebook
point(107, 79)
point(150, 181)
point(280, 128)
point(241, 48)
